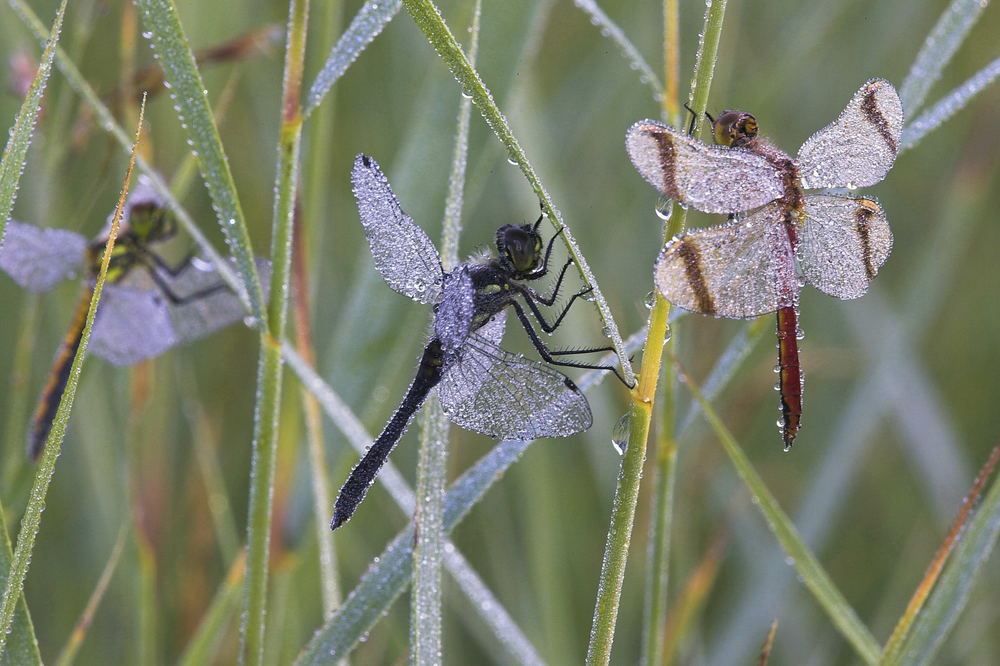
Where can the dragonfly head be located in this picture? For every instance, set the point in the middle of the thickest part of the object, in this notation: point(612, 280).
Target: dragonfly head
point(519, 248)
point(151, 222)
point(734, 128)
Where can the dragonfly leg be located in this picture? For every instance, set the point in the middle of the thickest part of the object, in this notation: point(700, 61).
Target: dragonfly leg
point(551, 298)
point(175, 298)
point(549, 356)
point(530, 296)
point(172, 271)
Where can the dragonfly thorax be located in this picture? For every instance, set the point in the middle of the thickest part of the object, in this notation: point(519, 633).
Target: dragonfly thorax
point(519, 249)
point(734, 128)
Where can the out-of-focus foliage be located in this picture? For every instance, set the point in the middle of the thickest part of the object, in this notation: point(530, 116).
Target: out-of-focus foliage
point(901, 384)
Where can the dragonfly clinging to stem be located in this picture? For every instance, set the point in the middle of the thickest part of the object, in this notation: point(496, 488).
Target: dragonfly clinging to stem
point(481, 387)
point(747, 266)
point(147, 305)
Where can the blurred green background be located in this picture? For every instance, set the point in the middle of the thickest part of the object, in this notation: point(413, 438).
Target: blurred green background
point(901, 393)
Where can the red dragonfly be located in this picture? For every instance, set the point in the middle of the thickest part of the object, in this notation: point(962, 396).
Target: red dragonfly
point(747, 266)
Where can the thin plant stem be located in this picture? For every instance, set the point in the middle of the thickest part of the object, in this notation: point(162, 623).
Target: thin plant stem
point(643, 397)
point(263, 462)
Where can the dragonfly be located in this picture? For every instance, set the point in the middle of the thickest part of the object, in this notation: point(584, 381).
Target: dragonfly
point(147, 305)
point(481, 387)
point(778, 236)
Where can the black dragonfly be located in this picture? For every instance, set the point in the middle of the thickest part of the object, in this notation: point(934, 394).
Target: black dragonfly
point(481, 387)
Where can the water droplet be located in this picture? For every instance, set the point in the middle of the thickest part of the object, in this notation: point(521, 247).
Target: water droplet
point(664, 207)
point(777, 368)
point(649, 301)
point(511, 161)
point(620, 432)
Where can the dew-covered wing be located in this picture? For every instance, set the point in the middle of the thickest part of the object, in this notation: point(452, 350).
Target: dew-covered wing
point(131, 325)
point(136, 320)
point(739, 269)
point(859, 147)
point(38, 259)
point(207, 303)
point(507, 396)
point(404, 255)
point(713, 179)
point(842, 243)
point(453, 315)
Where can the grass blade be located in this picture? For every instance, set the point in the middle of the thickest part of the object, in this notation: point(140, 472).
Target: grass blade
point(429, 20)
point(619, 537)
point(32, 519)
point(16, 150)
point(425, 606)
point(386, 579)
point(370, 20)
point(942, 42)
point(933, 635)
point(202, 646)
point(72, 647)
point(190, 97)
point(253, 629)
point(806, 565)
point(948, 106)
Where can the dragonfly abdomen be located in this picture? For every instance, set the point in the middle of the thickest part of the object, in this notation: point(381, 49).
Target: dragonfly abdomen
point(363, 474)
point(52, 394)
point(789, 374)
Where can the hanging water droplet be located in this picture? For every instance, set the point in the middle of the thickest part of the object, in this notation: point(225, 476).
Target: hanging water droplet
point(590, 296)
point(606, 330)
point(620, 432)
point(650, 300)
point(777, 368)
point(664, 207)
point(511, 161)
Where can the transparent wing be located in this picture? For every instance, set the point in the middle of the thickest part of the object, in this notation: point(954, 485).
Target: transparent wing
point(713, 179)
point(38, 259)
point(136, 321)
point(217, 308)
point(496, 393)
point(131, 325)
point(453, 315)
point(740, 269)
point(843, 243)
point(404, 255)
point(857, 149)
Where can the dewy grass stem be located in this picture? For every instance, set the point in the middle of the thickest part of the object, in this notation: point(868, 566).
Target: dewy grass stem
point(643, 397)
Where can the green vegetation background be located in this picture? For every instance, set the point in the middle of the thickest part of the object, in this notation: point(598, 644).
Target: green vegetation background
point(901, 392)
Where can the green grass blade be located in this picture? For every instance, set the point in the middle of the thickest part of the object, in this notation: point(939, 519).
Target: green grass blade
point(370, 20)
point(190, 97)
point(386, 579)
point(268, 404)
point(22, 646)
point(16, 149)
point(951, 594)
point(69, 652)
point(426, 646)
point(937, 51)
point(203, 645)
point(32, 519)
point(948, 106)
point(813, 576)
point(429, 20)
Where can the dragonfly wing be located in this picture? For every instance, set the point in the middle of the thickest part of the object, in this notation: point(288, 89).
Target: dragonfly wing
point(131, 325)
point(857, 149)
point(38, 259)
point(713, 179)
point(216, 307)
point(507, 396)
point(843, 242)
point(453, 315)
point(740, 269)
point(404, 255)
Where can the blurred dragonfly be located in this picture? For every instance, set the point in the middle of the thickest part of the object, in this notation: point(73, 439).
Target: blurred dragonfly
point(747, 266)
point(481, 386)
point(147, 306)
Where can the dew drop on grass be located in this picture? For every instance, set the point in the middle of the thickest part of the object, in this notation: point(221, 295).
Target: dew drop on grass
point(620, 432)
